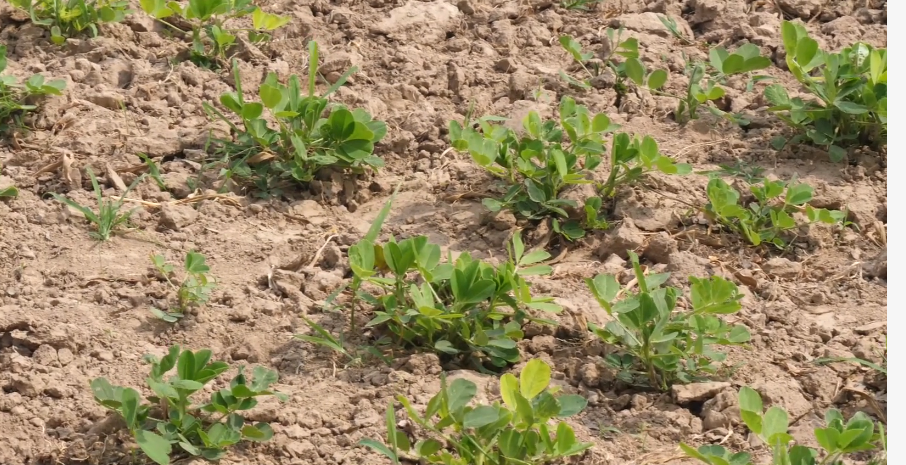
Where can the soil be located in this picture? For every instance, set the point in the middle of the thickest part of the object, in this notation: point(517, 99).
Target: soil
point(72, 309)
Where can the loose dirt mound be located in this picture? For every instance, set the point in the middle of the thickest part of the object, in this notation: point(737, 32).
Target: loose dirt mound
point(72, 309)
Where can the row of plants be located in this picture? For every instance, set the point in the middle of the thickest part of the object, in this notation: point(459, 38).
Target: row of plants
point(848, 88)
point(202, 22)
point(528, 427)
point(471, 313)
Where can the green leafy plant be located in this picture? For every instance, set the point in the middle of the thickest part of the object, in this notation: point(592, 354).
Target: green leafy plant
point(9, 192)
point(658, 342)
point(671, 26)
point(69, 18)
point(874, 366)
point(705, 79)
point(851, 91)
point(464, 309)
point(631, 69)
point(305, 140)
point(194, 289)
point(582, 5)
point(539, 167)
point(108, 217)
point(769, 216)
point(515, 432)
point(209, 17)
point(153, 171)
point(169, 418)
point(838, 439)
point(16, 98)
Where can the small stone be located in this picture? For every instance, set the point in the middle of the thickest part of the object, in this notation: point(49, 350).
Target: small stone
point(107, 100)
point(590, 375)
point(45, 355)
point(65, 356)
point(870, 328)
point(176, 217)
point(782, 267)
point(310, 210)
point(622, 239)
point(697, 392)
point(660, 247)
point(714, 419)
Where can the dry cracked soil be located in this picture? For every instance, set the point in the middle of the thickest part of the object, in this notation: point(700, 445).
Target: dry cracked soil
point(72, 309)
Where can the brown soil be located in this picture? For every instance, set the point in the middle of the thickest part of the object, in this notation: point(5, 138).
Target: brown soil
point(72, 309)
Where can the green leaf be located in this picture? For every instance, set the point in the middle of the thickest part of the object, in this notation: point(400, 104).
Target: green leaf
point(380, 448)
point(428, 447)
point(566, 438)
point(775, 422)
point(850, 107)
point(657, 79)
point(509, 387)
point(493, 205)
point(837, 153)
point(154, 446)
point(534, 378)
point(571, 404)
point(445, 347)
point(750, 400)
point(635, 70)
point(806, 49)
point(261, 432)
point(798, 194)
point(460, 392)
point(534, 192)
point(481, 416)
point(268, 21)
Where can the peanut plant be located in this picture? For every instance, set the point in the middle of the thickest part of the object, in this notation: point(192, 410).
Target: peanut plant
point(538, 168)
point(851, 91)
point(108, 217)
point(655, 341)
point(837, 440)
point(304, 140)
point(8, 192)
point(14, 96)
point(69, 18)
point(209, 50)
point(515, 432)
point(194, 289)
point(169, 419)
point(706, 78)
point(631, 69)
point(769, 217)
point(463, 309)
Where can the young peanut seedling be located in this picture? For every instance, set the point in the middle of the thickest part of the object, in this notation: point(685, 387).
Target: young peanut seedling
point(582, 5)
point(538, 168)
point(194, 289)
point(838, 439)
point(631, 69)
point(463, 309)
point(769, 217)
point(67, 18)
point(654, 340)
point(851, 91)
point(13, 96)
point(8, 192)
point(305, 140)
point(705, 79)
point(209, 16)
point(169, 418)
point(108, 217)
point(515, 432)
